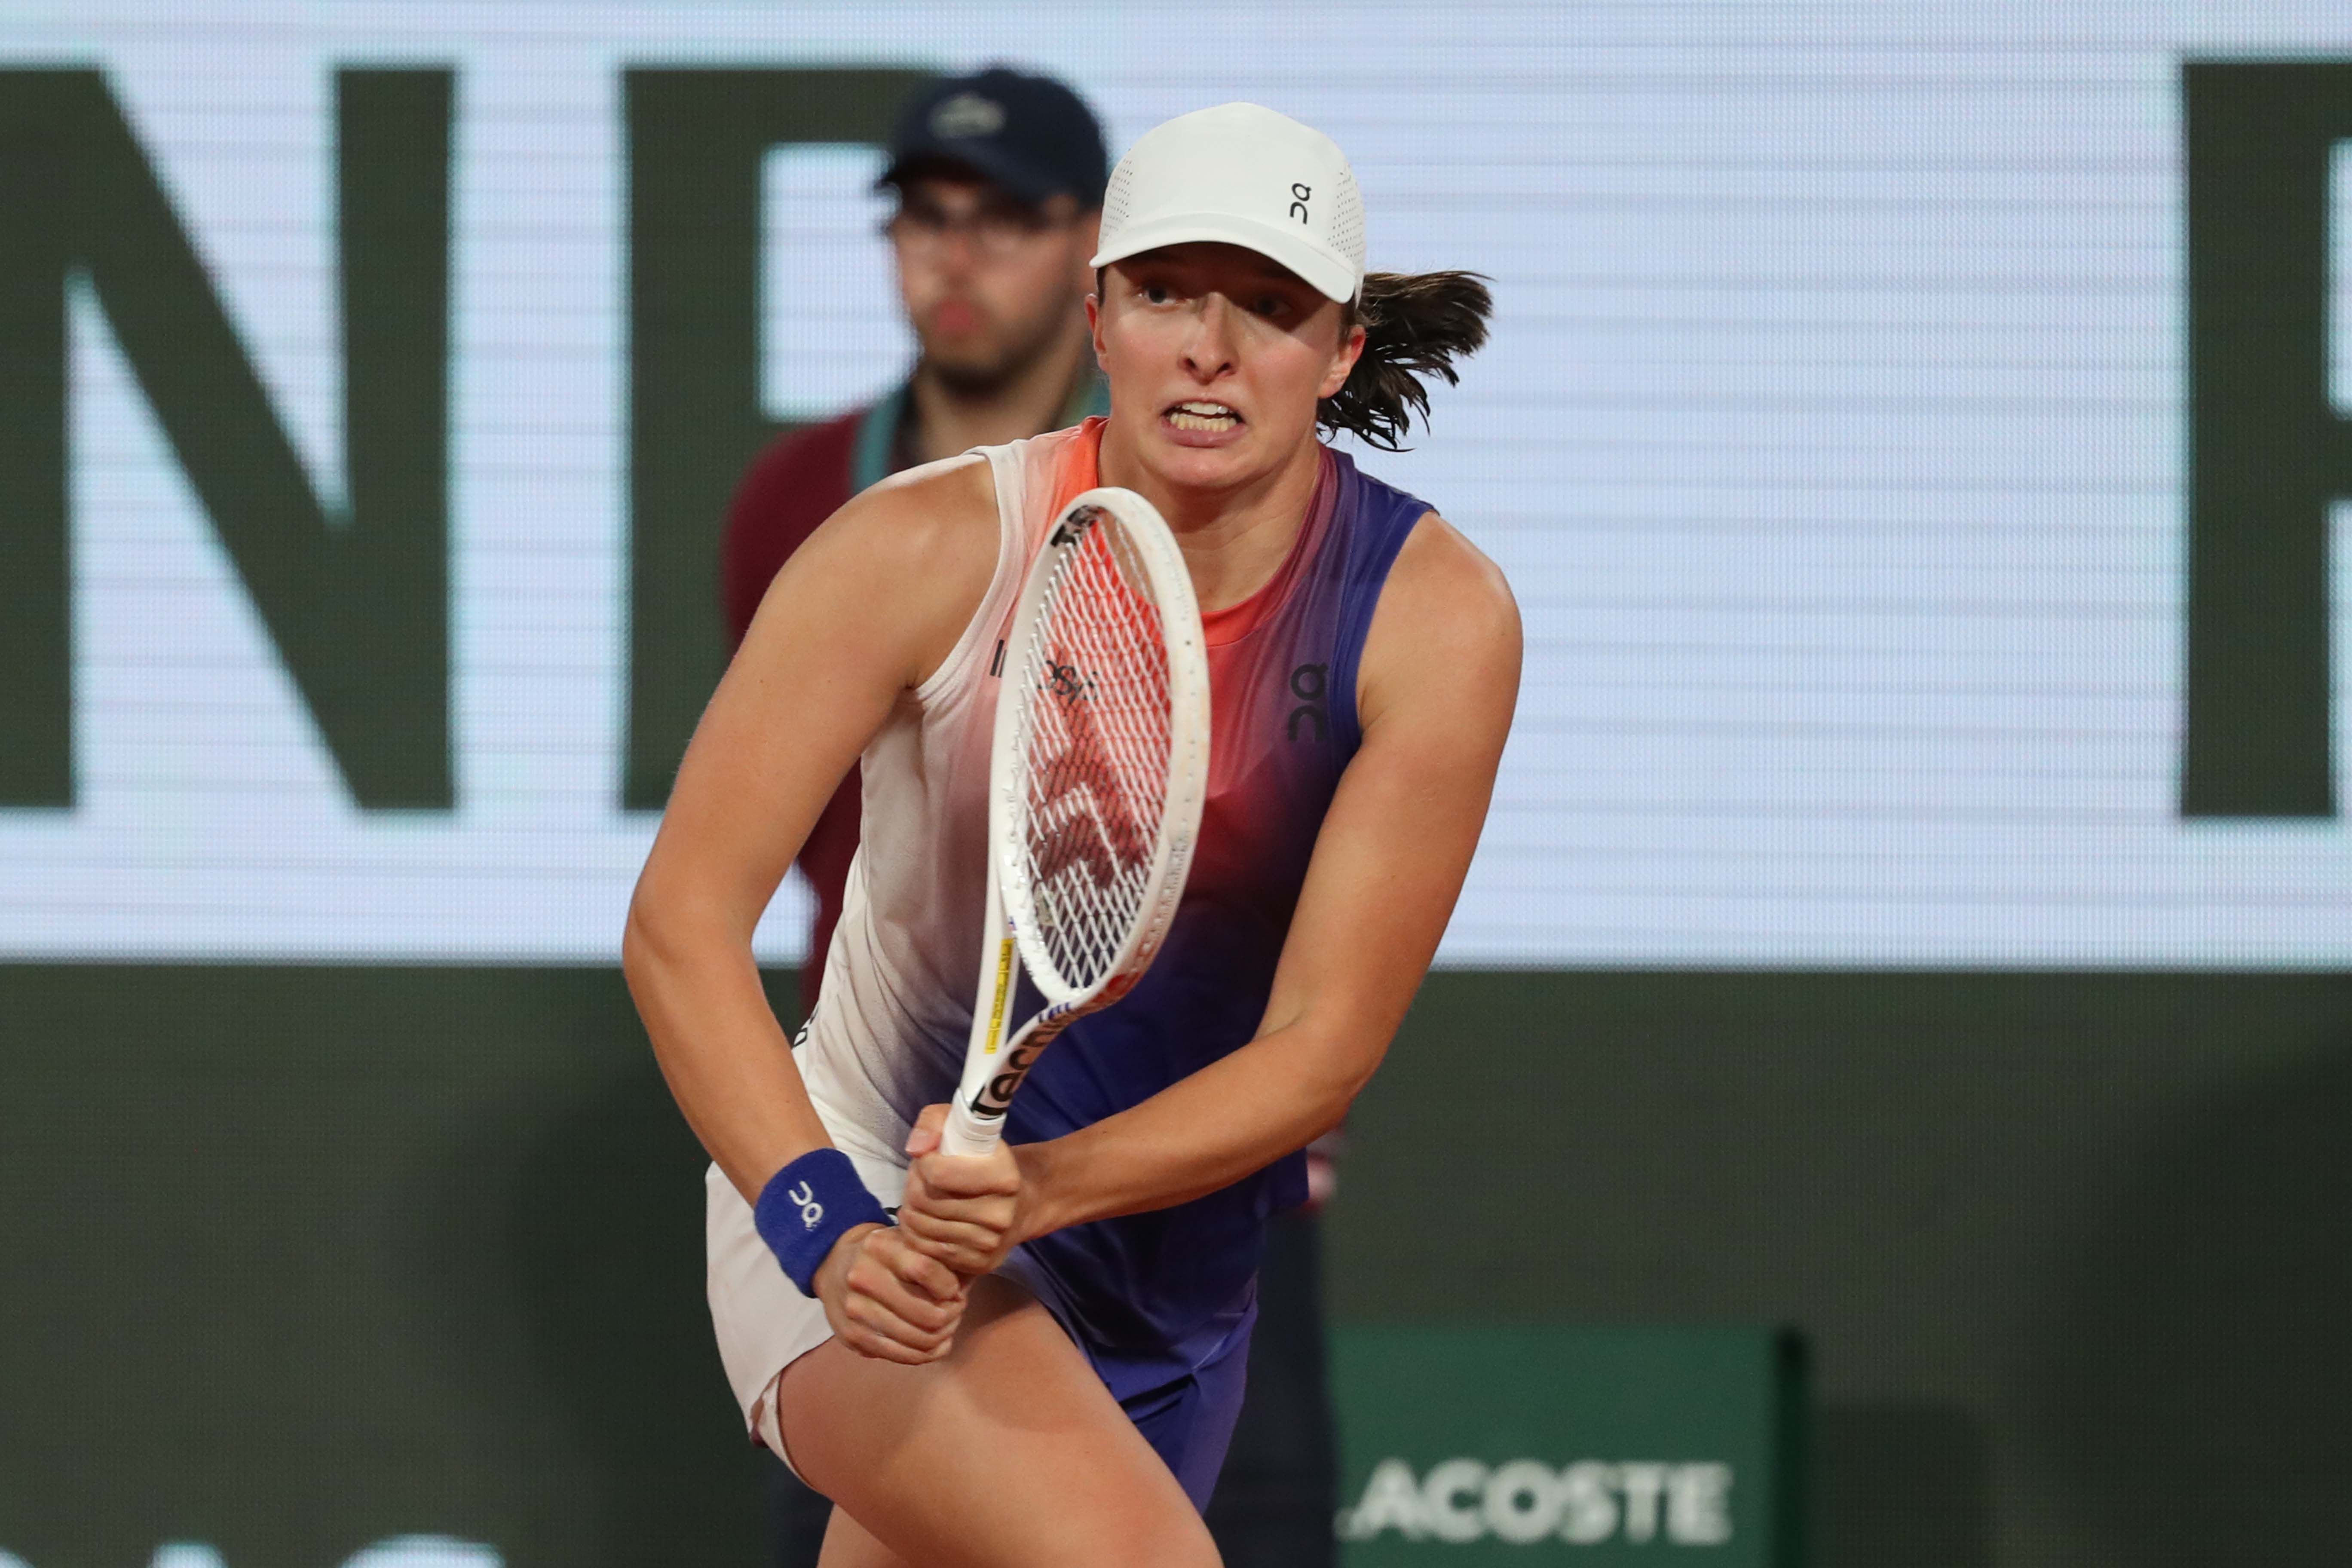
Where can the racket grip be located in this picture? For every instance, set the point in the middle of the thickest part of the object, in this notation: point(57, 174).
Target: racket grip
point(966, 1134)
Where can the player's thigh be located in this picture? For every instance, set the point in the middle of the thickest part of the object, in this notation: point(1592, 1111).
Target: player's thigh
point(1008, 1454)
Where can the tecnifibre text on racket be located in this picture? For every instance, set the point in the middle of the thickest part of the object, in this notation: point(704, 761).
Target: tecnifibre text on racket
point(1096, 780)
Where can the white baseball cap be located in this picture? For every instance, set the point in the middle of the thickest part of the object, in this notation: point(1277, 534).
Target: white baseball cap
point(1247, 176)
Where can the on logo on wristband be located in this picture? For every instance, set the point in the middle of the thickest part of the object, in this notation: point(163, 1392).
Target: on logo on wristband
point(807, 1207)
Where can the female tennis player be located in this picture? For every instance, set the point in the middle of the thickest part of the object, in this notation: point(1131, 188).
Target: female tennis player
point(1040, 1361)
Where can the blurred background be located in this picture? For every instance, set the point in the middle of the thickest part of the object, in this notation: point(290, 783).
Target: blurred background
point(1914, 911)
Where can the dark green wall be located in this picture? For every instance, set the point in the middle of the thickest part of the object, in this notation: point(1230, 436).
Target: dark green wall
point(298, 1258)
point(2073, 1252)
point(302, 1259)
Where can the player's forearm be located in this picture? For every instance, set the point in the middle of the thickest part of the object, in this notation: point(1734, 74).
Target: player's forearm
point(1237, 1115)
point(724, 1057)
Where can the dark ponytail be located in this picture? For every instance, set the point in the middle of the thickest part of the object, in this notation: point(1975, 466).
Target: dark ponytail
point(1415, 324)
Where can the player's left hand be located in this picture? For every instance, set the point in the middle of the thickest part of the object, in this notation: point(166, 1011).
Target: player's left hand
point(960, 1209)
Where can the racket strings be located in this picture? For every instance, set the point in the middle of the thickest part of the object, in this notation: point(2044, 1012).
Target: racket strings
point(1094, 737)
point(1094, 817)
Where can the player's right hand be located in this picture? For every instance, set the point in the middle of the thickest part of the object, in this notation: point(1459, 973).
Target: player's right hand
point(888, 1301)
point(962, 1209)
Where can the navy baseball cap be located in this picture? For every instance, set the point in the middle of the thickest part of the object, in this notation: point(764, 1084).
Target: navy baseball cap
point(1027, 133)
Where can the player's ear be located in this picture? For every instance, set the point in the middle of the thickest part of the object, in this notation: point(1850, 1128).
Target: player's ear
point(1343, 359)
point(1095, 326)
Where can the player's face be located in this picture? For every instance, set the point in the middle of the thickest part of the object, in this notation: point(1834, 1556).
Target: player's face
point(989, 282)
point(1216, 358)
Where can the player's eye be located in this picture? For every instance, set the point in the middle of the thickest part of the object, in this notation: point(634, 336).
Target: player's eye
point(1157, 293)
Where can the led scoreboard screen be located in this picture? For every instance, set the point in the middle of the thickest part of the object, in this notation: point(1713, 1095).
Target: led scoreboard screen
point(1903, 583)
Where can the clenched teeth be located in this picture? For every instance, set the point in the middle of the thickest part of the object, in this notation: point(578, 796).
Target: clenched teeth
point(1203, 417)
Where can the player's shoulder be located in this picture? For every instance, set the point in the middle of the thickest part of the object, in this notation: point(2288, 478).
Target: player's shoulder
point(1435, 565)
point(1446, 628)
point(902, 566)
point(935, 525)
point(1439, 577)
point(934, 501)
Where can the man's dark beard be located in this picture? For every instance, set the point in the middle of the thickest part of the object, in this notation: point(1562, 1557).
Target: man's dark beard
point(974, 383)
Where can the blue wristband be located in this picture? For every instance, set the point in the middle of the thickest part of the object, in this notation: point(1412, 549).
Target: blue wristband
point(805, 1206)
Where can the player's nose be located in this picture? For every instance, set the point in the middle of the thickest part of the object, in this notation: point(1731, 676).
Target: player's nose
point(1209, 346)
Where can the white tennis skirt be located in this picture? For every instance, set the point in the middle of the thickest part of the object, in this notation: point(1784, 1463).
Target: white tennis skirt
point(763, 1322)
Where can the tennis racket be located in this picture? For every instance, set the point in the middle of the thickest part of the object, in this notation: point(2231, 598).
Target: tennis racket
point(1095, 784)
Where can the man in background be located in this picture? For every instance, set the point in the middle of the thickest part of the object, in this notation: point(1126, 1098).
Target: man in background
point(999, 178)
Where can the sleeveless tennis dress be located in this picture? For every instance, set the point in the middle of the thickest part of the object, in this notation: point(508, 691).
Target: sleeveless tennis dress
point(1161, 1303)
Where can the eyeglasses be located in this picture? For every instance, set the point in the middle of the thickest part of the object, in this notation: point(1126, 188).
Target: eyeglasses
point(993, 232)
